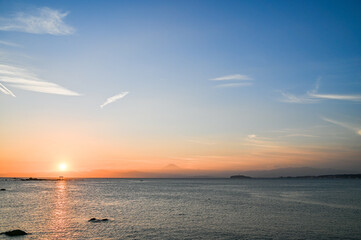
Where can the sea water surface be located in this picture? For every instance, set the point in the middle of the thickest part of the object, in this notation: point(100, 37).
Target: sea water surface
point(183, 208)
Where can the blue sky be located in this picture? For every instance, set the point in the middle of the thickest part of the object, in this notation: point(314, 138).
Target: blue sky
point(273, 74)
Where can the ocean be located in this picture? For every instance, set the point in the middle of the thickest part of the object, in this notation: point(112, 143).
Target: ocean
point(183, 208)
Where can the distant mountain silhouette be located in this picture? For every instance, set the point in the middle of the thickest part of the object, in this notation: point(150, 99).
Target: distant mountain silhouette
point(171, 167)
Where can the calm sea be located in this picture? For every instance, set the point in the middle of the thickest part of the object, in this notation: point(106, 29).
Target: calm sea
point(183, 209)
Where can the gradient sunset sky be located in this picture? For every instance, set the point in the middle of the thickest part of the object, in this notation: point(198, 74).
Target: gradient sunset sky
point(112, 88)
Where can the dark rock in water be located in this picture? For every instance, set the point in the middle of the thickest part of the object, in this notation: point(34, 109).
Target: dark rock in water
point(98, 220)
point(34, 179)
point(240, 177)
point(14, 233)
point(3, 189)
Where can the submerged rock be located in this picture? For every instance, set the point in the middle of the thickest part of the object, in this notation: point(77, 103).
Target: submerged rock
point(98, 220)
point(13, 233)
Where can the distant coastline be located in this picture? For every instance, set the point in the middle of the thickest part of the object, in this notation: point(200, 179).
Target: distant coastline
point(329, 176)
point(334, 176)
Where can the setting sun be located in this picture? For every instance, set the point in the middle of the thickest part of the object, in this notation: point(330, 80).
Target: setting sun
point(62, 167)
point(186, 119)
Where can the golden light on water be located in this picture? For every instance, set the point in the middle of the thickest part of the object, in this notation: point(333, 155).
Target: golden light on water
point(62, 166)
point(60, 220)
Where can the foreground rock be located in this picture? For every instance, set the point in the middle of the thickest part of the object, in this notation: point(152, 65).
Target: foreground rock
point(98, 220)
point(14, 233)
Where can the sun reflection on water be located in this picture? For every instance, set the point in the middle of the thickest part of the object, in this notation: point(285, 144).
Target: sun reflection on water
point(60, 222)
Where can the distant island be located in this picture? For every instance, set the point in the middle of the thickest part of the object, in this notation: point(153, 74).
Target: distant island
point(240, 177)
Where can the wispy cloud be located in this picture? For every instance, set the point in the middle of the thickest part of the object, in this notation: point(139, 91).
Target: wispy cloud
point(23, 79)
point(260, 142)
point(10, 44)
point(233, 77)
point(251, 136)
point(246, 81)
point(114, 98)
point(3, 89)
point(294, 133)
point(356, 98)
point(44, 21)
point(228, 85)
point(260, 148)
point(291, 98)
point(201, 141)
point(312, 96)
point(300, 135)
point(344, 125)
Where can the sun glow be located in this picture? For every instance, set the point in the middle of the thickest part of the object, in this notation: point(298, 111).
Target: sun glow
point(62, 166)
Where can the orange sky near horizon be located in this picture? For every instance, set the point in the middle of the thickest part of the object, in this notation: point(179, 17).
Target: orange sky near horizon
point(122, 89)
point(88, 154)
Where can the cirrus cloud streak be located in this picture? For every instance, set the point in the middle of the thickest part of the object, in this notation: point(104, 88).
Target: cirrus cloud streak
point(233, 77)
point(114, 98)
point(312, 96)
point(44, 21)
point(6, 91)
point(344, 125)
point(23, 79)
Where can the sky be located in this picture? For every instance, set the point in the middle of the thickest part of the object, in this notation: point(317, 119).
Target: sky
point(134, 88)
